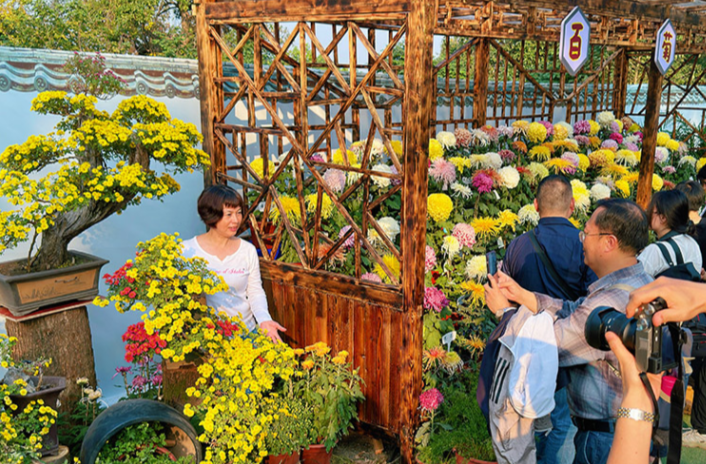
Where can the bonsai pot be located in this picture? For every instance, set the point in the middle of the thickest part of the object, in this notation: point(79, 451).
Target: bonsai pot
point(284, 458)
point(50, 396)
point(316, 454)
point(25, 293)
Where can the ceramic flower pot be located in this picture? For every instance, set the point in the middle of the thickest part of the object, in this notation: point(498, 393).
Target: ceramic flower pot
point(316, 454)
point(25, 293)
point(284, 458)
point(50, 396)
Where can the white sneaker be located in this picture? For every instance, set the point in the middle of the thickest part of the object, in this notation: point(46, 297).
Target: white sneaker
point(693, 439)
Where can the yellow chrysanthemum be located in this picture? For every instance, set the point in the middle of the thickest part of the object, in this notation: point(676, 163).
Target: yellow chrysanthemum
point(392, 264)
point(634, 127)
point(622, 188)
point(631, 177)
point(672, 145)
point(560, 166)
point(259, 167)
point(508, 219)
point(614, 170)
point(567, 145)
point(538, 171)
point(576, 222)
point(476, 291)
point(291, 207)
point(626, 157)
point(540, 153)
point(620, 125)
point(662, 139)
point(560, 132)
point(337, 157)
point(326, 205)
point(700, 163)
point(436, 150)
point(486, 227)
point(521, 126)
point(594, 142)
point(461, 163)
point(595, 127)
point(657, 183)
point(584, 162)
point(396, 147)
point(536, 132)
point(439, 206)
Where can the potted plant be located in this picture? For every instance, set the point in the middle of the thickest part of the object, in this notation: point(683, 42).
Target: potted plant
point(331, 388)
point(289, 431)
point(145, 442)
point(93, 165)
point(26, 419)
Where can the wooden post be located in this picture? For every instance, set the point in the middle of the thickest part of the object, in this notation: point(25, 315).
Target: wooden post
point(649, 141)
point(64, 337)
point(206, 49)
point(418, 110)
point(480, 83)
point(620, 84)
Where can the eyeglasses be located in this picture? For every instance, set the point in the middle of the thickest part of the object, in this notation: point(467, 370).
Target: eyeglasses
point(583, 235)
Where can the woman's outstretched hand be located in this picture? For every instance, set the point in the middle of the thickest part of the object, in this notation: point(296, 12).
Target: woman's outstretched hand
point(272, 329)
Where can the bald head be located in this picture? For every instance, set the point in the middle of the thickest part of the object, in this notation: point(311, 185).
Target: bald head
point(554, 196)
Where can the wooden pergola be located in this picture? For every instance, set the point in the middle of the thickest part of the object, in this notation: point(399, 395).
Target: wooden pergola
point(312, 106)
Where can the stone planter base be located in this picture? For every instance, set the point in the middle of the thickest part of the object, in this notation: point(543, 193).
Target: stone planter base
point(25, 293)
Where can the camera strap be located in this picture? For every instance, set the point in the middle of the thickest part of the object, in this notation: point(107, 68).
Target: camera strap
point(655, 405)
point(567, 291)
point(676, 400)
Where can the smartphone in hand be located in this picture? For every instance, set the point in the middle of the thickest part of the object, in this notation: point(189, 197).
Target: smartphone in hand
point(492, 262)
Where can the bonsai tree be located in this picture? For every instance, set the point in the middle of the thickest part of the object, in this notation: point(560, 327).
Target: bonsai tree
point(93, 165)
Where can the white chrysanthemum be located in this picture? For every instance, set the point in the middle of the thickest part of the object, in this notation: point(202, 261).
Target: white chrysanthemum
point(600, 192)
point(631, 139)
point(538, 171)
point(480, 138)
point(626, 157)
point(492, 161)
point(568, 128)
point(506, 131)
point(688, 160)
point(378, 147)
point(606, 180)
point(582, 202)
point(462, 190)
point(528, 215)
point(661, 155)
point(510, 177)
point(477, 268)
point(477, 161)
point(450, 247)
point(382, 182)
point(447, 139)
point(390, 226)
point(352, 177)
point(605, 119)
point(280, 160)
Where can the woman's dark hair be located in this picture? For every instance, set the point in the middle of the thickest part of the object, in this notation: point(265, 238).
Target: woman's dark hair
point(213, 199)
point(674, 206)
point(624, 219)
point(694, 194)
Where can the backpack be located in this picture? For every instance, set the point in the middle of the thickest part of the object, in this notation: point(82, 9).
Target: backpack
point(680, 270)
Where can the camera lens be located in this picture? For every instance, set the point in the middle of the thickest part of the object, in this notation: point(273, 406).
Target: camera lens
point(605, 319)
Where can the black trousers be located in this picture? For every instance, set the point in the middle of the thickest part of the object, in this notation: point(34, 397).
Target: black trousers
point(698, 382)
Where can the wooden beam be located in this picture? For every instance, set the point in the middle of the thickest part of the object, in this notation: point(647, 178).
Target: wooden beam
point(206, 50)
point(620, 84)
point(309, 10)
point(480, 83)
point(649, 143)
point(418, 111)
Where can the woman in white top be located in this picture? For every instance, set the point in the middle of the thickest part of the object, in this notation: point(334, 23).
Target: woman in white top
point(668, 214)
point(221, 209)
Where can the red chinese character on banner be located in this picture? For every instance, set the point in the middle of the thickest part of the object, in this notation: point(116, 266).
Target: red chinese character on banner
point(575, 42)
point(667, 46)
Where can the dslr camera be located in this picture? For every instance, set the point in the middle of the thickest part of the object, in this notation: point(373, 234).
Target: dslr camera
point(652, 346)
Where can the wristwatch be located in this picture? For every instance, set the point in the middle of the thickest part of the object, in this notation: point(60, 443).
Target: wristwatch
point(636, 414)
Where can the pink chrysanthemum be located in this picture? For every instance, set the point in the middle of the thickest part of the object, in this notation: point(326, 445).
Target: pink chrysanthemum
point(371, 277)
point(350, 241)
point(582, 140)
point(429, 259)
point(617, 137)
point(463, 137)
point(395, 182)
point(336, 179)
point(614, 126)
point(669, 169)
point(631, 146)
point(507, 155)
point(435, 299)
point(582, 127)
point(609, 144)
point(444, 172)
point(639, 135)
point(572, 157)
point(492, 132)
point(549, 126)
point(661, 154)
point(465, 234)
point(482, 182)
point(430, 400)
point(317, 157)
point(506, 131)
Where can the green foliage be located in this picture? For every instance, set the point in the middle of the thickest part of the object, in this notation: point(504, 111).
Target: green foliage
point(138, 444)
point(291, 427)
point(92, 76)
point(74, 424)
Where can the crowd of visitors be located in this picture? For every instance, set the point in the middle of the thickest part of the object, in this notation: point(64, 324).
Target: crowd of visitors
point(565, 273)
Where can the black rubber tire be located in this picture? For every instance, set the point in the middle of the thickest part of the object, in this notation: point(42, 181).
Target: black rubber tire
point(130, 412)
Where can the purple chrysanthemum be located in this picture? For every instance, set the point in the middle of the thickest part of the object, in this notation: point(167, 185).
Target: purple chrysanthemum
point(639, 135)
point(350, 241)
point(572, 157)
point(631, 146)
point(507, 155)
point(395, 182)
point(582, 127)
point(669, 169)
point(317, 157)
point(615, 126)
point(435, 299)
point(482, 182)
point(582, 140)
point(609, 144)
point(549, 126)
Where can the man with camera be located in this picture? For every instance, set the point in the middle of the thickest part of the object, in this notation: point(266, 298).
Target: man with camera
point(549, 259)
point(612, 237)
